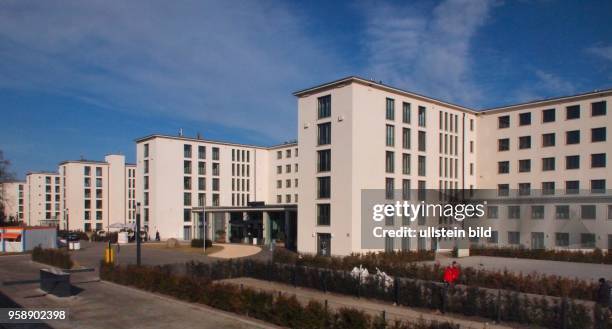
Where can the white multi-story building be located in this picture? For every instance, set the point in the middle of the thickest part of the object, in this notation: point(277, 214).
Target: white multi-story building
point(96, 194)
point(13, 196)
point(42, 203)
point(245, 192)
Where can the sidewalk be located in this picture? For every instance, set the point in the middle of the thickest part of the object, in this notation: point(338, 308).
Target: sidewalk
point(336, 301)
point(99, 304)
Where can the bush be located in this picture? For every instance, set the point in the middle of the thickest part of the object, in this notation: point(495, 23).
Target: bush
point(280, 310)
point(199, 243)
point(54, 257)
point(109, 236)
point(596, 256)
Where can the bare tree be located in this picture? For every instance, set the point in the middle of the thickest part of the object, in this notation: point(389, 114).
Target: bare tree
point(5, 176)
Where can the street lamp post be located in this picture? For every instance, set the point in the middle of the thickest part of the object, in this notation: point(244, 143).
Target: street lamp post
point(138, 233)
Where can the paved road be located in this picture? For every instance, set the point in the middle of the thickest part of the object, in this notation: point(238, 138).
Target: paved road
point(92, 252)
point(101, 305)
point(582, 271)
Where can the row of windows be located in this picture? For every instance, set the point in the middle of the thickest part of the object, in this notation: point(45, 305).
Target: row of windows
point(201, 152)
point(57, 180)
point(598, 160)
point(87, 227)
point(279, 169)
point(548, 188)
point(201, 183)
point(87, 172)
point(562, 239)
point(87, 193)
point(279, 198)
point(279, 183)
point(201, 199)
point(88, 204)
point(406, 109)
point(241, 155)
point(279, 154)
point(588, 212)
point(87, 215)
point(406, 140)
point(549, 139)
point(241, 184)
point(549, 115)
point(87, 182)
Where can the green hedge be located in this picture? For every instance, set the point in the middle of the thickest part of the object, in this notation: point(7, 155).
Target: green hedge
point(596, 256)
point(534, 283)
point(54, 257)
point(277, 309)
point(199, 243)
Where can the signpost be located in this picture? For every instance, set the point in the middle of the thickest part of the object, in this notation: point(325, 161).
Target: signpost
point(138, 233)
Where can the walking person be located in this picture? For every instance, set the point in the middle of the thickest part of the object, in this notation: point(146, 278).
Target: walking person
point(451, 274)
point(603, 293)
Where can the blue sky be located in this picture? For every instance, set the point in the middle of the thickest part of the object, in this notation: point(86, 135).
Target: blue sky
point(85, 78)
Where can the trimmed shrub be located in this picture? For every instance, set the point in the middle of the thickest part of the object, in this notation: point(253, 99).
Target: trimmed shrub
point(596, 256)
point(199, 243)
point(281, 310)
point(54, 257)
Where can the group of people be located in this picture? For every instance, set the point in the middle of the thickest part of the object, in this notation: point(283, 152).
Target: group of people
point(452, 273)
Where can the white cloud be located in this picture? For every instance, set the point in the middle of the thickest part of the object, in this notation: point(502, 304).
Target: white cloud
point(228, 63)
point(427, 52)
point(544, 84)
point(604, 52)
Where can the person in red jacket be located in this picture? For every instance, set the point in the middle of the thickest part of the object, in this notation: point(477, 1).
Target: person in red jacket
point(451, 274)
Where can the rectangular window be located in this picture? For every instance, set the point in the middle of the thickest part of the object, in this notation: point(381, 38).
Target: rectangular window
point(537, 212)
point(562, 212)
point(324, 133)
point(492, 212)
point(587, 240)
point(406, 112)
point(598, 186)
point(514, 238)
point(503, 189)
point(98, 171)
point(187, 199)
point(87, 170)
point(323, 187)
point(572, 162)
point(422, 141)
point(548, 139)
point(406, 138)
point(548, 164)
point(422, 165)
point(422, 119)
point(572, 137)
point(503, 121)
point(561, 239)
point(406, 164)
point(187, 151)
point(572, 186)
point(406, 189)
point(216, 169)
point(503, 167)
point(503, 144)
point(187, 167)
point(323, 214)
point(390, 113)
point(390, 136)
point(202, 183)
point(598, 160)
point(524, 189)
point(525, 119)
point(548, 115)
point(548, 188)
point(146, 150)
point(389, 188)
point(279, 154)
point(524, 142)
point(324, 106)
point(215, 184)
point(324, 160)
point(572, 112)
point(201, 168)
point(390, 162)
point(587, 211)
point(201, 152)
point(598, 108)
point(598, 134)
point(525, 165)
point(514, 212)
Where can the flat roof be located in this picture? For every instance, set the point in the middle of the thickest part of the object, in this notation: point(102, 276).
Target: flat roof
point(41, 173)
point(380, 85)
point(192, 139)
point(548, 101)
point(83, 161)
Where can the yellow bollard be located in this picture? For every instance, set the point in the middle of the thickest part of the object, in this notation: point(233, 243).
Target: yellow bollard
point(109, 255)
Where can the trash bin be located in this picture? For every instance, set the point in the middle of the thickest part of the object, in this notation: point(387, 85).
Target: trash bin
point(122, 238)
point(254, 241)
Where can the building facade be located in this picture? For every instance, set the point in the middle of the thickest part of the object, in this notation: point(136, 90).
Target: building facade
point(42, 203)
point(13, 197)
point(96, 194)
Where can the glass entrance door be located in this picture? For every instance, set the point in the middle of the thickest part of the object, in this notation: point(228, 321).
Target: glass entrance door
point(324, 244)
